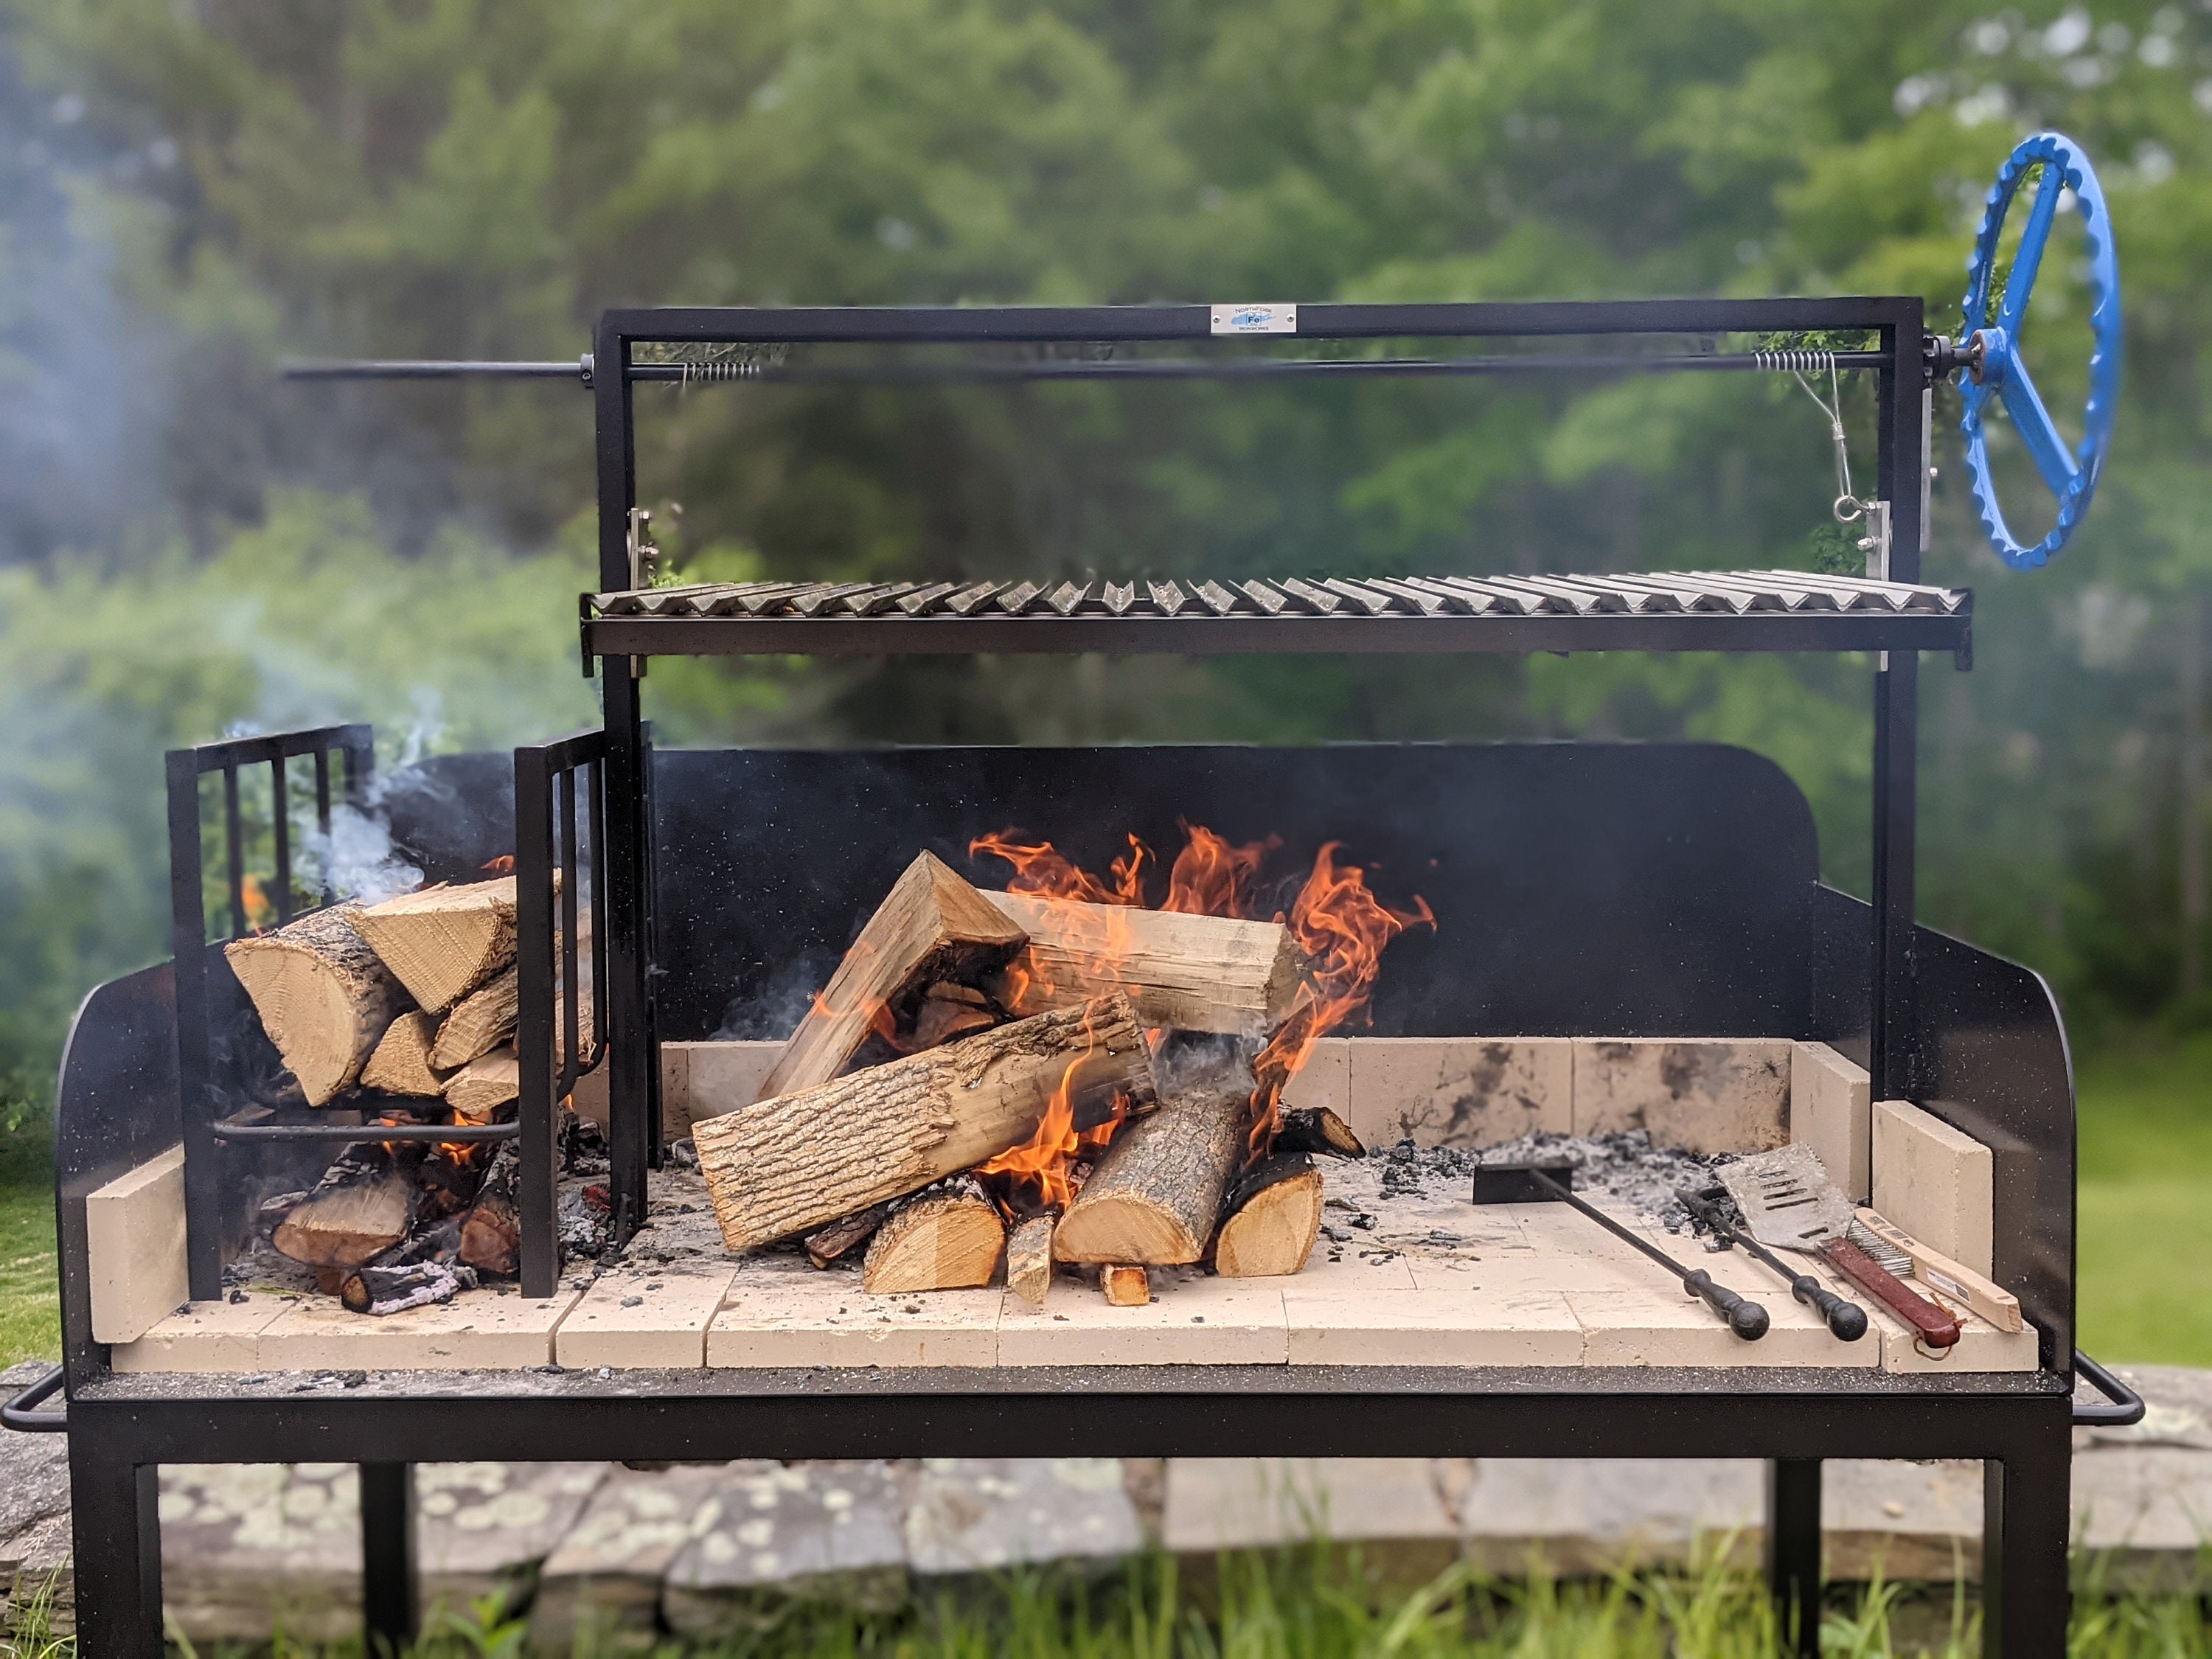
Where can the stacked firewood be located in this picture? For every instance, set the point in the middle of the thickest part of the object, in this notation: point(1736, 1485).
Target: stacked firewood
point(404, 1010)
point(995, 1078)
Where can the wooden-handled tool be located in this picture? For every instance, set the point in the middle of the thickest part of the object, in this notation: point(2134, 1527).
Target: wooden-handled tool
point(1789, 1202)
point(1526, 1183)
point(1845, 1319)
point(1989, 1300)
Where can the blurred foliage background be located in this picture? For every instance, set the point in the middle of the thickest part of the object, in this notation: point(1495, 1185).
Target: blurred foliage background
point(191, 189)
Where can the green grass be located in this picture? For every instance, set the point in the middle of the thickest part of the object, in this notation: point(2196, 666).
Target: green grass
point(2145, 1290)
point(30, 1313)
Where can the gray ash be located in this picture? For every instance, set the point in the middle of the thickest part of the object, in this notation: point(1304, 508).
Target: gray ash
point(1626, 1165)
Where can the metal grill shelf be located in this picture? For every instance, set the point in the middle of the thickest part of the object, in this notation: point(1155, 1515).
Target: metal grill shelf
point(1670, 610)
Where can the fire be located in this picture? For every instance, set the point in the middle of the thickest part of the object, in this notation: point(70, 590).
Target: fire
point(1336, 919)
point(1047, 1161)
point(260, 912)
point(502, 866)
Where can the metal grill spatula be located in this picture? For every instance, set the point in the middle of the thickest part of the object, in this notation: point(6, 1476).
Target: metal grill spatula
point(1790, 1204)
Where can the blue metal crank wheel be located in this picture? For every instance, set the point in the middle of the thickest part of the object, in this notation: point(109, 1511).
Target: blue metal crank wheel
point(1991, 345)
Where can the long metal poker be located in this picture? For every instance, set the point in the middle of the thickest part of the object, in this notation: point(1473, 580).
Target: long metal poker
point(1846, 1319)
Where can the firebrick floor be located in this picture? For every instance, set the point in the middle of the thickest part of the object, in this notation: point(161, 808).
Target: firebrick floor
point(1406, 1281)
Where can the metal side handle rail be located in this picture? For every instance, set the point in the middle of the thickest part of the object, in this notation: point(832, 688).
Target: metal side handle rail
point(20, 1415)
point(2127, 1408)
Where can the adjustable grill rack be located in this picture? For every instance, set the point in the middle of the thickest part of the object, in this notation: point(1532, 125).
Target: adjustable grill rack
point(1935, 1019)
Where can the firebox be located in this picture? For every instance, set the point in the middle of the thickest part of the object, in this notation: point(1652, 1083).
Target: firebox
point(1589, 941)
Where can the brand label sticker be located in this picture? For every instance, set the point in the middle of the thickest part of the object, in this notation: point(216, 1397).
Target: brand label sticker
point(1256, 320)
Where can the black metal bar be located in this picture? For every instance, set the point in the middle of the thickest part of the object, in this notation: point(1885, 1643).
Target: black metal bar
point(391, 1597)
point(359, 742)
point(371, 368)
point(116, 1541)
point(533, 1037)
point(1793, 1551)
point(920, 325)
point(323, 819)
point(1208, 635)
point(280, 825)
point(234, 836)
point(359, 1135)
point(572, 1019)
point(2026, 1597)
point(1174, 368)
point(1896, 699)
point(651, 933)
point(190, 949)
point(635, 1058)
point(597, 819)
point(2127, 1408)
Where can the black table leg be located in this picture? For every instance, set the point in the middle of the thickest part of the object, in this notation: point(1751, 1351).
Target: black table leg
point(1793, 1551)
point(2025, 1510)
point(390, 1607)
point(116, 1532)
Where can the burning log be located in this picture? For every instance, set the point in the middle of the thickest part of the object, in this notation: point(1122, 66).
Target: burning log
point(932, 927)
point(1155, 1193)
point(324, 996)
point(480, 1022)
point(360, 1208)
point(1317, 1129)
point(841, 1238)
point(394, 1289)
point(946, 1239)
point(401, 1063)
point(491, 1238)
point(1126, 1286)
point(785, 1165)
point(1186, 973)
point(1029, 1259)
point(443, 942)
point(484, 1085)
point(1274, 1216)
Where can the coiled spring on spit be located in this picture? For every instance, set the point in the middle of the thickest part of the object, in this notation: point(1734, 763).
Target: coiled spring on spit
point(1796, 361)
point(725, 368)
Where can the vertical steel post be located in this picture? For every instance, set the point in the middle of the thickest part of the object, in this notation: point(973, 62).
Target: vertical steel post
point(2027, 1595)
point(1793, 1551)
point(633, 1056)
point(390, 1603)
point(536, 1199)
point(115, 1536)
point(188, 946)
point(1902, 423)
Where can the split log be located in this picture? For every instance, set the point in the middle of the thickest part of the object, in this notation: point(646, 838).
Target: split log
point(394, 1289)
point(1126, 1286)
point(1185, 973)
point(931, 926)
point(483, 1086)
point(401, 1063)
point(1274, 1216)
point(1029, 1259)
point(840, 1238)
point(1158, 1189)
point(359, 1209)
point(1317, 1129)
point(324, 997)
point(789, 1164)
point(951, 1010)
point(443, 942)
point(948, 1238)
point(491, 1238)
point(480, 1022)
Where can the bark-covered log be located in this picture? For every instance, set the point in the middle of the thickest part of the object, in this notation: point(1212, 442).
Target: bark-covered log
point(948, 1238)
point(1125, 1286)
point(1317, 1129)
point(401, 1062)
point(359, 1209)
point(1274, 1216)
point(491, 1238)
point(1184, 973)
point(845, 1235)
point(443, 942)
point(370, 1290)
point(479, 1022)
point(324, 997)
point(1156, 1192)
point(790, 1164)
point(1029, 1259)
point(931, 926)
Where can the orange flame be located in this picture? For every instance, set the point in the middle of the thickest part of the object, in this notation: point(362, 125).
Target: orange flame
point(502, 866)
point(1047, 1161)
point(1336, 921)
point(260, 912)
